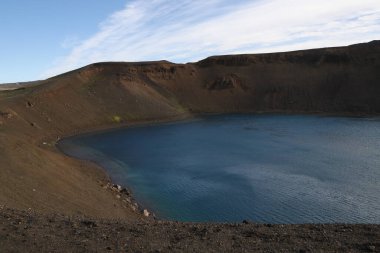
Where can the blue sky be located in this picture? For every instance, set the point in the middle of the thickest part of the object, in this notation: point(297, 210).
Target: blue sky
point(34, 34)
point(42, 38)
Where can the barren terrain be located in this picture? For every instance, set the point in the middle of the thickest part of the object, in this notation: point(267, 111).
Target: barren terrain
point(36, 176)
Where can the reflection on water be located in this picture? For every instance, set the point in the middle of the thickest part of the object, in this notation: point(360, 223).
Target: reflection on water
point(265, 168)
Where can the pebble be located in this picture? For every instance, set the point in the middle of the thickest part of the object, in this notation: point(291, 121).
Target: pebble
point(372, 248)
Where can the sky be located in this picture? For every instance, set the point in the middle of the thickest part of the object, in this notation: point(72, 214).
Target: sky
point(43, 38)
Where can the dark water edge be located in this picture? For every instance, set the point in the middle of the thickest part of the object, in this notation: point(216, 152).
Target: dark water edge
point(265, 168)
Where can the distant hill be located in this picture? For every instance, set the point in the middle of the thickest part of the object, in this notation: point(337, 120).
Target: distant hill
point(15, 86)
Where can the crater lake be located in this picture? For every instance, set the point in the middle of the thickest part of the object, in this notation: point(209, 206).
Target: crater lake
point(263, 168)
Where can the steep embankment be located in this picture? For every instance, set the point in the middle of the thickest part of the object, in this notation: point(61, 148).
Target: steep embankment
point(335, 80)
point(35, 175)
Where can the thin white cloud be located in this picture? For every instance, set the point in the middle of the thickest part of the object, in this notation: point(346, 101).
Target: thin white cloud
point(190, 30)
point(70, 42)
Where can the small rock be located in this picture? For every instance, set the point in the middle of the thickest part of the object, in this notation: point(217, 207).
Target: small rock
point(146, 213)
point(6, 115)
point(118, 196)
point(371, 248)
point(88, 223)
point(125, 191)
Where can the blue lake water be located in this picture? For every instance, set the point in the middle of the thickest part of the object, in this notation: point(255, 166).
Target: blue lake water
point(263, 168)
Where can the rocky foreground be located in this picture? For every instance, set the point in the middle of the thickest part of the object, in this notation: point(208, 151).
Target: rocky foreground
point(26, 231)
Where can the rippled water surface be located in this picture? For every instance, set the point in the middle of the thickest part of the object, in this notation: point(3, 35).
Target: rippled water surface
point(265, 168)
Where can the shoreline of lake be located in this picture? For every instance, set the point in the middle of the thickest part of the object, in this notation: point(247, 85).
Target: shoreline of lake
point(142, 207)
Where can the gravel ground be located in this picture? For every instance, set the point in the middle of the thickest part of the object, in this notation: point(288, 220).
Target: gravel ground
point(26, 231)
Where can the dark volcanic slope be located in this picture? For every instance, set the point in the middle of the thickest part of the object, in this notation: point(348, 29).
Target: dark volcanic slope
point(326, 80)
point(333, 80)
point(35, 175)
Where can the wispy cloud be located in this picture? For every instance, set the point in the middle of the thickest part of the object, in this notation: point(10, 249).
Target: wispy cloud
point(70, 42)
point(190, 30)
